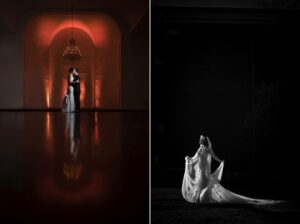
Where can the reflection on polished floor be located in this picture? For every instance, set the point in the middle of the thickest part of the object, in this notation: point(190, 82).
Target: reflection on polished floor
point(75, 168)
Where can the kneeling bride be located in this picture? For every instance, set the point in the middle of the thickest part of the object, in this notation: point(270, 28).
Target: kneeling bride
point(201, 186)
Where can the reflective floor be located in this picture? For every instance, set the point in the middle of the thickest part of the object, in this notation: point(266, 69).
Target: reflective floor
point(75, 168)
point(168, 206)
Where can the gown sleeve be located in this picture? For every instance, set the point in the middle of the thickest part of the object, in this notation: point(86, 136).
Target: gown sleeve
point(219, 172)
point(189, 185)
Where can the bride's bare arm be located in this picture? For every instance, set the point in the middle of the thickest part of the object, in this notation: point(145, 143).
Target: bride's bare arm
point(192, 159)
point(213, 155)
point(210, 150)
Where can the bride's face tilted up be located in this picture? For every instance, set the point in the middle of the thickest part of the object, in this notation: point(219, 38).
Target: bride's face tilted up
point(73, 71)
point(203, 141)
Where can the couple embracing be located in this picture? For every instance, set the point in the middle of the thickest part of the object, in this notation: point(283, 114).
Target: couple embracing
point(72, 98)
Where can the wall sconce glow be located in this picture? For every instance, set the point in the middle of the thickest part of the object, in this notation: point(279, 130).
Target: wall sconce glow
point(97, 93)
point(47, 91)
point(82, 91)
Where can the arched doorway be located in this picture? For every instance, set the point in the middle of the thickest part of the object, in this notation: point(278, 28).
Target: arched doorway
point(45, 70)
point(59, 67)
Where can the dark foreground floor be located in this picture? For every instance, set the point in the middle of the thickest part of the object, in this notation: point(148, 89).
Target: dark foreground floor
point(91, 167)
point(169, 207)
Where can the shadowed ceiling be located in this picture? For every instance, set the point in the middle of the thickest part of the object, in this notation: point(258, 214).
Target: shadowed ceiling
point(242, 4)
point(13, 12)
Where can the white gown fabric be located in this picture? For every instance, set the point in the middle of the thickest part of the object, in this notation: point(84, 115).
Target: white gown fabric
point(201, 186)
point(70, 125)
point(69, 101)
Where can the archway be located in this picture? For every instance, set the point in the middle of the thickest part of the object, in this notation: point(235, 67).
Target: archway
point(45, 70)
point(59, 67)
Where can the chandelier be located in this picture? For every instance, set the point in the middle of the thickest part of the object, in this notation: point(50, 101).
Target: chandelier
point(72, 51)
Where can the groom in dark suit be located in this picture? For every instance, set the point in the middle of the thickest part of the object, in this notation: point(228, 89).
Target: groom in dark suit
point(76, 86)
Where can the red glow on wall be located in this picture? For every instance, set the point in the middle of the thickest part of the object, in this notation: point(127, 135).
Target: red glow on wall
point(45, 36)
point(82, 90)
point(97, 93)
point(48, 28)
point(47, 91)
point(76, 24)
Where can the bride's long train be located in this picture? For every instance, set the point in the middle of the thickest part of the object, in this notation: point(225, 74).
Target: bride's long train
point(214, 192)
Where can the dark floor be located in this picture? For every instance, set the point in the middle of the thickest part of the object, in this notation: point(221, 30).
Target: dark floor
point(76, 168)
point(168, 206)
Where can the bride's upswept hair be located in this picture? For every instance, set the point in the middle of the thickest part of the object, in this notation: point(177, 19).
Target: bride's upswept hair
point(203, 140)
point(72, 68)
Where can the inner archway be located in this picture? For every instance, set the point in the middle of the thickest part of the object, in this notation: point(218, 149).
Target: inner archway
point(59, 67)
point(45, 70)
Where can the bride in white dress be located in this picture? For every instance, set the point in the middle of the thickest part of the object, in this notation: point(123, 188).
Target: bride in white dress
point(201, 186)
point(69, 101)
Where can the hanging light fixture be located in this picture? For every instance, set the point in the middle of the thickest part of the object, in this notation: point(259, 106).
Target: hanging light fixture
point(72, 51)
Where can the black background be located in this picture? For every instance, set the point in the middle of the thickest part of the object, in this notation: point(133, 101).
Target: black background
point(230, 74)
